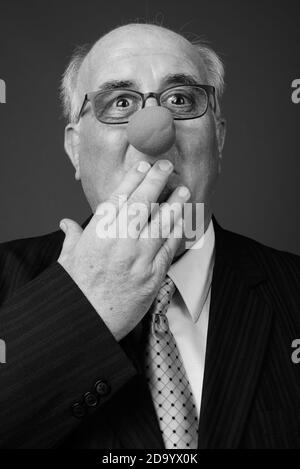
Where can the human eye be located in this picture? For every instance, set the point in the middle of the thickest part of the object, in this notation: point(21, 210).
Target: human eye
point(179, 100)
point(122, 103)
point(117, 104)
point(179, 97)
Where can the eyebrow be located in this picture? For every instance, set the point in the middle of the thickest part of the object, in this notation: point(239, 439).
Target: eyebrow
point(180, 79)
point(168, 80)
point(116, 85)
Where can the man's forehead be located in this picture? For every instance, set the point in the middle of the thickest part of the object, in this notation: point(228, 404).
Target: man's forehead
point(129, 45)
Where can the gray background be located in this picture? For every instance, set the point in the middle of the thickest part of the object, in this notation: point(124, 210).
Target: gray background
point(258, 192)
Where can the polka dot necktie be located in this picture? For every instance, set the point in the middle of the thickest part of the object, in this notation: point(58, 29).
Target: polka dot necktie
point(167, 379)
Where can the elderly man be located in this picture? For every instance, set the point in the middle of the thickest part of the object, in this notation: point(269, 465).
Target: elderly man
point(139, 342)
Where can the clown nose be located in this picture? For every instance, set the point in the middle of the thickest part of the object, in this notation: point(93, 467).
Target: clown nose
point(151, 130)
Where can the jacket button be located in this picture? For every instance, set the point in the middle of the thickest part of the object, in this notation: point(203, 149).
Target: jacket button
point(102, 387)
point(90, 399)
point(78, 410)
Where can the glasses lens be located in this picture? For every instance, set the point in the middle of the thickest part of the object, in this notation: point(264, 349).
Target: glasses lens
point(185, 102)
point(116, 106)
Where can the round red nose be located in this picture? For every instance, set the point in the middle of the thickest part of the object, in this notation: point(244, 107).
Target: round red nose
point(151, 130)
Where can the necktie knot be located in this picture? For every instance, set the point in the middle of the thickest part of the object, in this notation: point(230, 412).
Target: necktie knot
point(160, 306)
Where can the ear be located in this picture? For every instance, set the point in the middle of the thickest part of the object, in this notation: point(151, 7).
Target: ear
point(221, 134)
point(72, 147)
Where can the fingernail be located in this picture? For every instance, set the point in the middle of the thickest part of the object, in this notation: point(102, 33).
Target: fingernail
point(183, 192)
point(143, 167)
point(165, 165)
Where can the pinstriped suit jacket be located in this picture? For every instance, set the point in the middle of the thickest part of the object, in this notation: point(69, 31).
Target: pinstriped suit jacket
point(58, 347)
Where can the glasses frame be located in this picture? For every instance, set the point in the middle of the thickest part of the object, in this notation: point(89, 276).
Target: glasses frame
point(90, 97)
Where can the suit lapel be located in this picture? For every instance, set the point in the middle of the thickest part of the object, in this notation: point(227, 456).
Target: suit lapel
point(239, 325)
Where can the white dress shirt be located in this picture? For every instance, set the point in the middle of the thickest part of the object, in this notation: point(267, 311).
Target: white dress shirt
point(189, 308)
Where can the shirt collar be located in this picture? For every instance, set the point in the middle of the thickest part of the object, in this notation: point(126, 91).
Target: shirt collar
point(192, 272)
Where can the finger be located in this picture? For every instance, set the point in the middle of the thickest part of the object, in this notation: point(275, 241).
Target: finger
point(130, 182)
point(162, 223)
point(148, 192)
point(168, 249)
point(72, 233)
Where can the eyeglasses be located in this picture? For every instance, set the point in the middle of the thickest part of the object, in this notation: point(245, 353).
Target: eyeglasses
point(117, 106)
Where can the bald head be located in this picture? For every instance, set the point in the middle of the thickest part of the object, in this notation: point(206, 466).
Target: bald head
point(133, 36)
point(90, 66)
point(130, 42)
point(138, 30)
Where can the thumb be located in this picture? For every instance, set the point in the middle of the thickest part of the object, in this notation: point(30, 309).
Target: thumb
point(72, 231)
